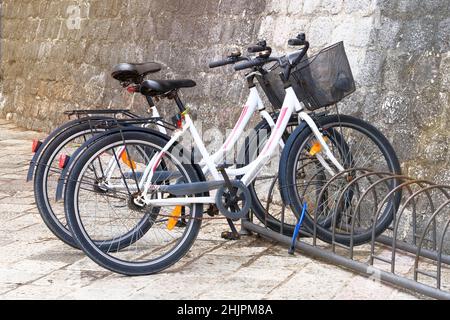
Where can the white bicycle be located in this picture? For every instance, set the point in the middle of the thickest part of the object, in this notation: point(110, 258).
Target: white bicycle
point(157, 191)
point(254, 141)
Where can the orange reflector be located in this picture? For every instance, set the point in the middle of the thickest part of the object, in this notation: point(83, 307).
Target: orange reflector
point(131, 164)
point(36, 145)
point(316, 147)
point(63, 161)
point(174, 216)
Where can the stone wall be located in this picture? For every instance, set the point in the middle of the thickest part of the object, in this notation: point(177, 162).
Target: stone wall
point(56, 55)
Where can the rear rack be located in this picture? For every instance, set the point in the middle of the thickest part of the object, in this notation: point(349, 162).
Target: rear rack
point(120, 123)
point(86, 113)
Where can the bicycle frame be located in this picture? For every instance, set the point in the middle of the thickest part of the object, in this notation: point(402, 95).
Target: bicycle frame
point(253, 104)
point(290, 105)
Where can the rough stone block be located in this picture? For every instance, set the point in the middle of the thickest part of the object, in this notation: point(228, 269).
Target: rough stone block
point(332, 6)
point(365, 7)
point(295, 7)
point(354, 31)
point(321, 31)
point(310, 6)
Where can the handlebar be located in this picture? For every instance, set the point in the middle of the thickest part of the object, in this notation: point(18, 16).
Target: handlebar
point(250, 64)
point(219, 63)
point(300, 40)
point(264, 58)
point(226, 61)
point(296, 42)
point(255, 49)
point(258, 61)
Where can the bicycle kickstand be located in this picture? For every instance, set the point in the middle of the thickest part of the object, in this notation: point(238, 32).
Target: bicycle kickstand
point(233, 235)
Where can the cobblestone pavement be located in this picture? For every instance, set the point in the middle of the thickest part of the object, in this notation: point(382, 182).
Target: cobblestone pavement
point(35, 265)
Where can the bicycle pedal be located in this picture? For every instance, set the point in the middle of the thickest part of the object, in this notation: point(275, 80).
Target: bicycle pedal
point(228, 235)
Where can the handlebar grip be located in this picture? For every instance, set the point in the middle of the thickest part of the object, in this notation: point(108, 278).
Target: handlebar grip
point(220, 63)
point(248, 64)
point(254, 49)
point(296, 42)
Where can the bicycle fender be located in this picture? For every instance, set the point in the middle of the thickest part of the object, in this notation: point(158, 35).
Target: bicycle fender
point(283, 161)
point(55, 133)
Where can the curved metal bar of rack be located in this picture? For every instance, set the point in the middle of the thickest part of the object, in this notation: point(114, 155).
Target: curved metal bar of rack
point(413, 252)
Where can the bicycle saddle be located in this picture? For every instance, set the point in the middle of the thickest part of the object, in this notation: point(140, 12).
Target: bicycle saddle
point(158, 87)
point(134, 71)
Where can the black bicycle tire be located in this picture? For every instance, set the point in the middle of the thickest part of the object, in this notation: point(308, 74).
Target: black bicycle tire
point(89, 247)
point(382, 142)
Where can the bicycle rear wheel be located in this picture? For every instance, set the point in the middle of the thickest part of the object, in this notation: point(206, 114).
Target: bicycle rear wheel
point(103, 206)
point(47, 174)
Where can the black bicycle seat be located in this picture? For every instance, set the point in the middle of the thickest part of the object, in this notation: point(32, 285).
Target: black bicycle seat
point(159, 87)
point(134, 72)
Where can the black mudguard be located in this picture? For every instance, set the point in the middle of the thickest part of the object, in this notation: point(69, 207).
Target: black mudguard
point(53, 135)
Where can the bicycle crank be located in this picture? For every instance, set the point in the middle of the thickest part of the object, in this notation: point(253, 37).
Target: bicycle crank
point(233, 199)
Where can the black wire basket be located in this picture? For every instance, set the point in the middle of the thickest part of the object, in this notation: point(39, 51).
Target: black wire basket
point(318, 81)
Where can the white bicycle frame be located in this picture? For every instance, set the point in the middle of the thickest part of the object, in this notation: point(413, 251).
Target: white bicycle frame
point(254, 103)
point(290, 105)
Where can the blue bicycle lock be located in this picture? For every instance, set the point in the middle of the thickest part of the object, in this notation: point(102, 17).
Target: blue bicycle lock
point(297, 229)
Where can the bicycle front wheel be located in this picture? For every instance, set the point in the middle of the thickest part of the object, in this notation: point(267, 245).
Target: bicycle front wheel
point(355, 144)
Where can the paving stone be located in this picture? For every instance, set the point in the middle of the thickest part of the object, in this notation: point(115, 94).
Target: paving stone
point(15, 208)
point(179, 286)
point(22, 221)
point(13, 276)
point(18, 200)
point(5, 287)
point(43, 268)
point(34, 292)
point(111, 287)
point(71, 280)
point(19, 250)
point(246, 247)
point(287, 262)
point(312, 276)
point(3, 195)
point(364, 288)
point(84, 264)
point(219, 264)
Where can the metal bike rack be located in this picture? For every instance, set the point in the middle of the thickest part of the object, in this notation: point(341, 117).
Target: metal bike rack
point(412, 253)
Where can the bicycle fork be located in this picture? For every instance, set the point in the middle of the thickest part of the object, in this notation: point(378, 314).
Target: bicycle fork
point(305, 117)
